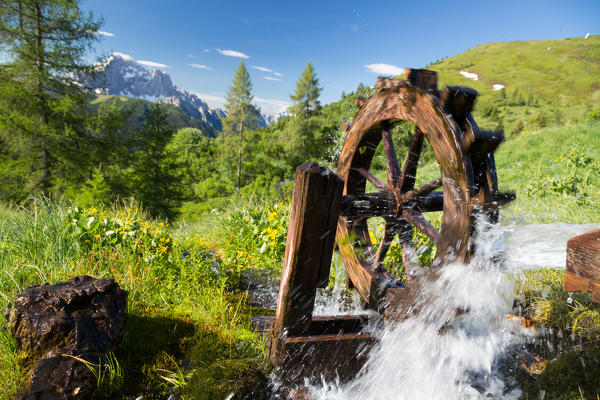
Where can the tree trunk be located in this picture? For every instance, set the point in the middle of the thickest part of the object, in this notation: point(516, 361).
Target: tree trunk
point(239, 164)
point(45, 180)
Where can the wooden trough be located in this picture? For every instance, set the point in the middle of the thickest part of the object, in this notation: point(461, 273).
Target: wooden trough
point(582, 272)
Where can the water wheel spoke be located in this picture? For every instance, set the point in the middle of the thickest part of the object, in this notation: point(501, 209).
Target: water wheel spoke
point(392, 164)
point(388, 237)
point(422, 191)
point(378, 204)
point(417, 219)
point(431, 202)
point(371, 178)
point(408, 251)
point(409, 173)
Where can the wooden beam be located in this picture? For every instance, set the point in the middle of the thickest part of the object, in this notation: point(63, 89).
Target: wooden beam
point(582, 273)
point(315, 208)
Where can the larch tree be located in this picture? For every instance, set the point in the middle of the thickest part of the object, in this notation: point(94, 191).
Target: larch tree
point(241, 113)
point(42, 106)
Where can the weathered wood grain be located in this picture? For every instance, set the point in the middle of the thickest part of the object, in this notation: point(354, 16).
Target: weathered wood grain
point(468, 177)
point(311, 235)
point(582, 272)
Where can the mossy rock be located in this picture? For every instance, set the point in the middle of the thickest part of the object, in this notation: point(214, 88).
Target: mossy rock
point(566, 376)
point(246, 378)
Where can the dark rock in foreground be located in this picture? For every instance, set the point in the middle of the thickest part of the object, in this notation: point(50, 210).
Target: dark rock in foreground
point(83, 318)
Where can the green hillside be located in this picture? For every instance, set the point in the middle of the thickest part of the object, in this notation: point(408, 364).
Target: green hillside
point(140, 108)
point(538, 76)
point(555, 173)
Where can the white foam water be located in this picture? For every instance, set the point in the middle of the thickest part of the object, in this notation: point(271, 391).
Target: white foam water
point(440, 353)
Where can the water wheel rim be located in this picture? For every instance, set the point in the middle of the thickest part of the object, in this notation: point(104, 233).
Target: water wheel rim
point(423, 109)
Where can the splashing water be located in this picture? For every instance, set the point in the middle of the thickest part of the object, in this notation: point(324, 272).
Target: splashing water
point(454, 348)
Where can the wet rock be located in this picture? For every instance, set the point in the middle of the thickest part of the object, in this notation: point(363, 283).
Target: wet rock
point(53, 325)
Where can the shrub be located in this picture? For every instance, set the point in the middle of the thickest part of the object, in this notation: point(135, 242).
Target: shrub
point(95, 229)
point(254, 235)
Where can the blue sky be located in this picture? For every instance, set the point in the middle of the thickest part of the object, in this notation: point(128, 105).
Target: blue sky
point(340, 38)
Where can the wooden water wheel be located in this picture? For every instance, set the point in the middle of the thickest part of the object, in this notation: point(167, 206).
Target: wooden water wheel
point(467, 184)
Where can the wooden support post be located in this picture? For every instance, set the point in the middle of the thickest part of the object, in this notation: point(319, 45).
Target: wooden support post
point(300, 345)
point(311, 235)
point(582, 272)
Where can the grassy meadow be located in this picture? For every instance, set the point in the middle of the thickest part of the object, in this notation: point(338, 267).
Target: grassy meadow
point(188, 319)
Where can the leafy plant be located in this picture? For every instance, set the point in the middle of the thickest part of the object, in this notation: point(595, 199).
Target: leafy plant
point(127, 228)
point(254, 235)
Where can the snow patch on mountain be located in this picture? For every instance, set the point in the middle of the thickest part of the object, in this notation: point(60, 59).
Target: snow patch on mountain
point(469, 75)
point(120, 74)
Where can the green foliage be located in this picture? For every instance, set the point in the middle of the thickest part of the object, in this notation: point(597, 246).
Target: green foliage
point(155, 179)
point(43, 113)
point(554, 172)
point(525, 68)
point(254, 235)
point(108, 374)
point(306, 96)
point(174, 294)
point(98, 230)
point(594, 115)
point(241, 113)
point(95, 191)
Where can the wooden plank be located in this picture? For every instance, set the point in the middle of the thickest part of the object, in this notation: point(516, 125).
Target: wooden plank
point(329, 357)
point(315, 208)
point(421, 78)
point(582, 272)
point(583, 255)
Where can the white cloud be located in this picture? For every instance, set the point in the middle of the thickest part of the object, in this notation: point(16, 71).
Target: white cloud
point(200, 66)
point(212, 100)
point(272, 105)
point(270, 78)
point(385, 69)
point(103, 33)
point(191, 56)
point(269, 106)
point(152, 64)
point(123, 56)
point(263, 69)
point(232, 53)
point(277, 74)
point(206, 50)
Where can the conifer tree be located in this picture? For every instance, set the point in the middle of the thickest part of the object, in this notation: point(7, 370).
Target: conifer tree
point(241, 113)
point(304, 137)
point(42, 109)
point(306, 96)
point(156, 180)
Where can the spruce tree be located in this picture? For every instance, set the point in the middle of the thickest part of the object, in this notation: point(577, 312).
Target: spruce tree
point(306, 96)
point(303, 140)
point(156, 179)
point(42, 112)
point(241, 113)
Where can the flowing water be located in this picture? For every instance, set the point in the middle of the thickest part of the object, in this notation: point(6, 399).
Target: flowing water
point(438, 355)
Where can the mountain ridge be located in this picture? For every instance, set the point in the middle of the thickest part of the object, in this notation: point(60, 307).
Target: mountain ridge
point(121, 75)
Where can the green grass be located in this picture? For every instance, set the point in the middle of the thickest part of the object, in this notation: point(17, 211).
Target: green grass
point(562, 81)
point(175, 302)
point(555, 173)
point(571, 323)
point(564, 75)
